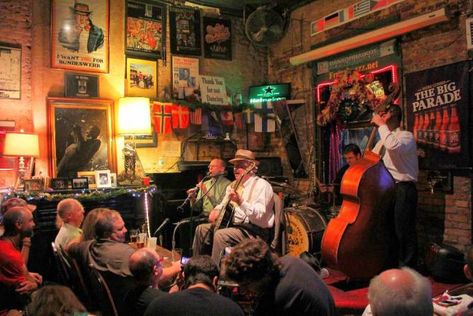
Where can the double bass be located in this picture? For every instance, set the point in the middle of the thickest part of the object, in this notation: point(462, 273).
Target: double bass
point(357, 241)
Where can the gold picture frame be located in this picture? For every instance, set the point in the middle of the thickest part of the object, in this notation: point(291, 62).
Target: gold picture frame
point(81, 136)
point(90, 175)
point(141, 78)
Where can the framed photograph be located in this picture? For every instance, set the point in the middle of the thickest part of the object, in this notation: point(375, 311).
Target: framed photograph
point(145, 29)
point(113, 179)
point(185, 31)
point(80, 183)
point(80, 35)
point(60, 183)
point(217, 38)
point(185, 76)
point(81, 133)
point(103, 179)
point(81, 85)
point(90, 176)
point(33, 185)
point(10, 76)
point(141, 78)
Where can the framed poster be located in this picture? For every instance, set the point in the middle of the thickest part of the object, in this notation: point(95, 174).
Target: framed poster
point(80, 132)
point(10, 74)
point(80, 35)
point(185, 31)
point(145, 29)
point(185, 76)
point(81, 85)
point(217, 38)
point(141, 78)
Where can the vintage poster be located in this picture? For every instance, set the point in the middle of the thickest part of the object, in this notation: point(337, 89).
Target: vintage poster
point(438, 115)
point(80, 35)
point(145, 29)
point(213, 91)
point(185, 31)
point(217, 38)
point(185, 76)
point(10, 72)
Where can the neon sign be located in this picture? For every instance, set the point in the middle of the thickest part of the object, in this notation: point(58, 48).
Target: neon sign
point(269, 92)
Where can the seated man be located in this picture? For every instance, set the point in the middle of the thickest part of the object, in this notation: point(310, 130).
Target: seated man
point(281, 286)
point(352, 154)
point(145, 265)
point(70, 214)
point(251, 199)
point(399, 292)
point(198, 295)
point(16, 282)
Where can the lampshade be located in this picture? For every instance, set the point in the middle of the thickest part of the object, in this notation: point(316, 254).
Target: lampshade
point(134, 116)
point(21, 144)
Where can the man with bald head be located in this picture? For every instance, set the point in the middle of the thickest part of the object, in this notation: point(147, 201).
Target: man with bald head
point(70, 214)
point(145, 265)
point(16, 282)
point(399, 292)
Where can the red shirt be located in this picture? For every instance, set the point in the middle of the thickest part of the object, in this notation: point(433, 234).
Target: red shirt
point(11, 264)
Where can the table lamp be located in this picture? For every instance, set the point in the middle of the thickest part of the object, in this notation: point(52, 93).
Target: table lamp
point(18, 144)
point(134, 118)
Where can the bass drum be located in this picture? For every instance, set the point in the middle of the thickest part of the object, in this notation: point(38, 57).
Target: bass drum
point(305, 227)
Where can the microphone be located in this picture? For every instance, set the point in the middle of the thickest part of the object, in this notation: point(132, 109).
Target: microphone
point(164, 223)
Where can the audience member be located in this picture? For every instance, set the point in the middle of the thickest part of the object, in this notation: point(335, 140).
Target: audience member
point(70, 214)
point(198, 296)
point(16, 282)
point(397, 292)
point(282, 286)
point(145, 265)
point(55, 300)
point(88, 225)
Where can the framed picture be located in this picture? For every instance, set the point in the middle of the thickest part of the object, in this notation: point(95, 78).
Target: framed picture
point(6, 163)
point(185, 31)
point(60, 183)
point(103, 179)
point(81, 133)
point(33, 185)
point(10, 76)
point(145, 29)
point(80, 35)
point(90, 176)
point(81, 85)
point(141, 78)
point(80, 183)
point(113, 179)
point(185, 76)
point(217, 38)
point(143, 141)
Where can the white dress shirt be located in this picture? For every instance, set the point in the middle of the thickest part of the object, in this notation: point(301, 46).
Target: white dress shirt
point(400, 156)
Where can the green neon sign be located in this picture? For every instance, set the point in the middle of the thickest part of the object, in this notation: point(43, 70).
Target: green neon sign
point(270, 92)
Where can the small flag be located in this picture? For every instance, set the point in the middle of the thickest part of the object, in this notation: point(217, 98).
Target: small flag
point(265, 122)
point(238, 117)
point(359, 9)
point(248, 116)
point(162, 117)
point(180, 116)
point(210, 124)
point(227, 118)
point(196, 116)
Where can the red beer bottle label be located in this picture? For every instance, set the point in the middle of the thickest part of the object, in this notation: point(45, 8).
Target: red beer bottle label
point(443, 130)
point(453, 134)
point(438, 124)
point(420, 130)
point(416, 126)
point(430, 132)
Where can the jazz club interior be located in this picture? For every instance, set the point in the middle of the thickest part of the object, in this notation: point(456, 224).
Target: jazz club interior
point(236, 157)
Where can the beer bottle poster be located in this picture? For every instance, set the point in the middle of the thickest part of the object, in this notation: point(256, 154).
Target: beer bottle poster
point(437, 114)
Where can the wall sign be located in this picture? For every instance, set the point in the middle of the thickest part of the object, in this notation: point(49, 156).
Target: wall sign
point(81, 85)
point(269, 92)
point(213, 91)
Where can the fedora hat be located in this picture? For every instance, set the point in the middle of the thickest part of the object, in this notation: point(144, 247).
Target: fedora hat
point(244, 155)
point(81, 8)
point(15, 202)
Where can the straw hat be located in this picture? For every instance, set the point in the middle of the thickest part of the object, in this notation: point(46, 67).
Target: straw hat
point(14, 202)
point(244, 155)
point(81, 8)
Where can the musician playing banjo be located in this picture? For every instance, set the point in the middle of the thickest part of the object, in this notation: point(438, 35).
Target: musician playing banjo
point(249, 201)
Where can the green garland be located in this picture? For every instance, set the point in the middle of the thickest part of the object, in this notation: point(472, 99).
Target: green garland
point(195, 104)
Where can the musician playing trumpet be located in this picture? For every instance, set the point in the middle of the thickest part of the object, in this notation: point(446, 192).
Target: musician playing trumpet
point(249, 200)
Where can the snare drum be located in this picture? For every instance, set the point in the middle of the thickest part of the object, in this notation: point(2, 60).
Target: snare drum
point(304, 230)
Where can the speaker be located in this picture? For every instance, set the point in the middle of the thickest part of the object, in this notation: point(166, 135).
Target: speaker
point(269, 166)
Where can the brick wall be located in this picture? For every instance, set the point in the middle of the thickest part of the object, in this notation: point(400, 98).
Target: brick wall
point(441, 217)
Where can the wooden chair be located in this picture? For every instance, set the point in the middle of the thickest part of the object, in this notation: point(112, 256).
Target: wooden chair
point(102, 291)
point(62, 265)
point(80, 286)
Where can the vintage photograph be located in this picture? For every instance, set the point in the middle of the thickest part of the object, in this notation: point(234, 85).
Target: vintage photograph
point(185, 31)
point(185, 75)
point(81, 135)
point(10, 76)
point(113, 179)
point(141, 78)
point(60, 183)
point(103, 179)
point(33, 185)
point(145, 29)
point(80, 35)
point(90, 175)
point(80, 183)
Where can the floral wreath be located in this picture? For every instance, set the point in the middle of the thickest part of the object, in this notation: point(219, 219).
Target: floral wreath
point(352, 96)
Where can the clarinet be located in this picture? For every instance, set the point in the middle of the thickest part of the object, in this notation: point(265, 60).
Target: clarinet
point(194, 190)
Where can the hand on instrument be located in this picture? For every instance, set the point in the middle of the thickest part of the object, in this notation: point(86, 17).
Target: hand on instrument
point(202, 187)
point(192, 193)
point(36, 277)
point(380, 119)
point(213, 215)
point(235, 197)
point(26, 287)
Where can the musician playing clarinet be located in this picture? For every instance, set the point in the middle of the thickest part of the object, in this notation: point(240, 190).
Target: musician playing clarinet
point(250, 201)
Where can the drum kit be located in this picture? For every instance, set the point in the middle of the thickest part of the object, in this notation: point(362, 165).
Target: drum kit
point(304, 219)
